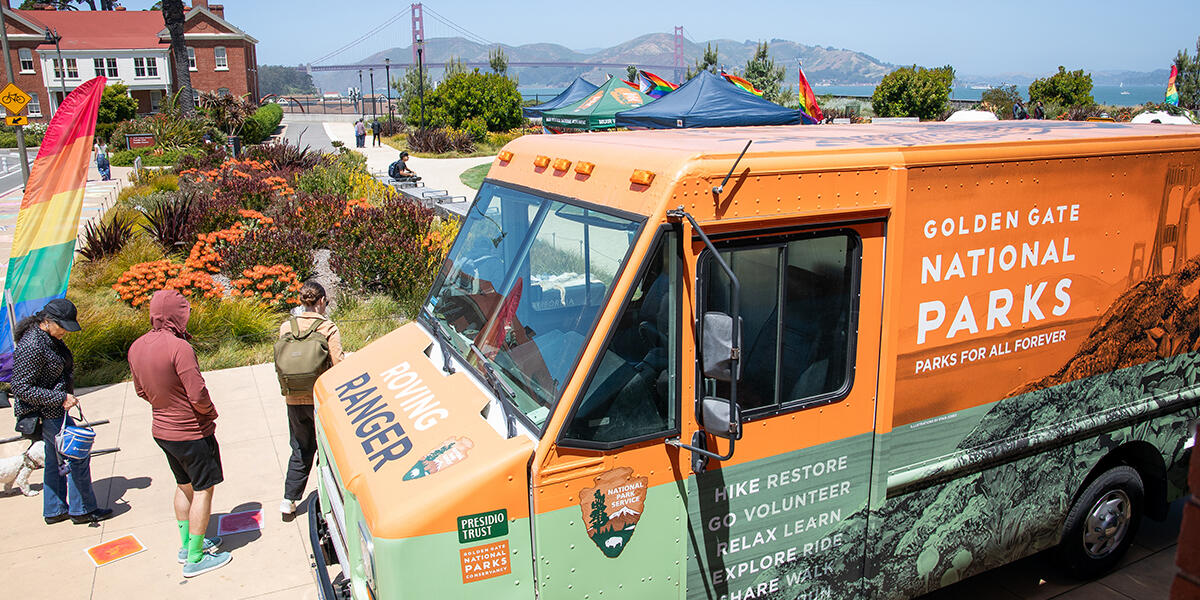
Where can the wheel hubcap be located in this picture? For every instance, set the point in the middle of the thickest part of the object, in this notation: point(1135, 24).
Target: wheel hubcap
point(1107, 523)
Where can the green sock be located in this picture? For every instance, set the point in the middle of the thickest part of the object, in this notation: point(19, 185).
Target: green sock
point(195, 548)
point(183, 533)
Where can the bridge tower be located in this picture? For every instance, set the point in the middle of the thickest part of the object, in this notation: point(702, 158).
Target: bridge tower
point(678, 54)
point(418, 29)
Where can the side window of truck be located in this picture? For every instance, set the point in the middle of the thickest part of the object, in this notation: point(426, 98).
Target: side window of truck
point(799, 308)
point(632, 392)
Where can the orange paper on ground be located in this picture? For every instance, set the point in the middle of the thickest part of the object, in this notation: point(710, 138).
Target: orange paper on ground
point(102, 554)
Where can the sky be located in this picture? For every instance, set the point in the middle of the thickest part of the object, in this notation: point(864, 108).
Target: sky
point(982, 38)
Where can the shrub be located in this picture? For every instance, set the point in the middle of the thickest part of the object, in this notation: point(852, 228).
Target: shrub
point(102, 274)
point(155, 156)
point(169, 222)
point(105, 238)
point(285, 156)
point(137, 284)
point(440, 140)
point(476, 128)
point(389, 249)
point(262, 123)
point(1065, 88)
point(462, 96)
point(196, 285)
point(1000, 100)
point(270, 246)
point(391, 127)
point(913, 92)
point(115, 106)
point(276, 286)
point(315, 214)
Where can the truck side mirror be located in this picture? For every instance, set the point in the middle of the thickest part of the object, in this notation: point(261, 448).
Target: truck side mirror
point(716, 418)
point(718, 347)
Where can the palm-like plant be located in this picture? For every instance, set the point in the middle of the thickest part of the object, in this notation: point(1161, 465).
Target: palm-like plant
point(227, 111)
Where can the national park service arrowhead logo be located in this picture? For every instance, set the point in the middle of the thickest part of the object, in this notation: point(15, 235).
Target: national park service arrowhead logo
point(612, 509)
point(447, 454)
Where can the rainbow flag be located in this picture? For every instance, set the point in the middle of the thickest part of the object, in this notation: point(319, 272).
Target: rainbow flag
point(655, 86)
point(48, 221)
point(1172, 92)
point(808, 100)
point(742, 83)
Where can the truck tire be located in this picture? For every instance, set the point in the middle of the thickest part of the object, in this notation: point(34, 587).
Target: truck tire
point(1102, 523)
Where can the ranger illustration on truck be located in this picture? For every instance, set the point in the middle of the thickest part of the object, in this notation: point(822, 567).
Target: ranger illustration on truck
point(777, 362)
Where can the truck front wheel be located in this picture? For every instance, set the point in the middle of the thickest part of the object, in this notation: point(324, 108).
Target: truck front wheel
point(1102, 523)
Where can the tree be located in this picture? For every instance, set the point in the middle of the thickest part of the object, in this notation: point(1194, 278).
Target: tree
point(408, 88)
point(498, 61)
point(116, 105)
point(1187, 82)
point(68, 4)
point(764, 75)
point(707, 63)
point(1000, 100)
point(598, 517)
point(631, 73)
point(182, 82)
point(453, 67)
point(914, 92)
point(1064, 88)
point(462, 97)
point(280, 79)
point(227, 111)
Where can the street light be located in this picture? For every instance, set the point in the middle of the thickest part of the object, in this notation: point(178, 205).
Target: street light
point(387, 70)
point(372, 72)
point(360, 104)
point(421, 77)
point(52, 37)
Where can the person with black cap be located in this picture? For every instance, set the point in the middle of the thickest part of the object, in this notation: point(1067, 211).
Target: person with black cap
point(399, 170)
point(43, 383)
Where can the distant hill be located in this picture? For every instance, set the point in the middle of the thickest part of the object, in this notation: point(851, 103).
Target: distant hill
point(822, 64)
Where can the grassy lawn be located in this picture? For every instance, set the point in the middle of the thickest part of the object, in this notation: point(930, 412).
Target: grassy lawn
point(473, 177)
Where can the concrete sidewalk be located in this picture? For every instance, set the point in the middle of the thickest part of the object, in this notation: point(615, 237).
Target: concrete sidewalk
point(136, 482)
point(437, 173)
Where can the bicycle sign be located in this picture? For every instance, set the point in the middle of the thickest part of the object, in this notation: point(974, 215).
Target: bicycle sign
point(13, 99)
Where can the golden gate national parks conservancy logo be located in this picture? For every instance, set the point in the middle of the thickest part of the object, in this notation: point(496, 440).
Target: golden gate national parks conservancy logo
point(612, 509)
point(447, 454)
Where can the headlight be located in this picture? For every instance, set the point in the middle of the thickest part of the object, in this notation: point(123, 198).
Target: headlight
point(366, 546)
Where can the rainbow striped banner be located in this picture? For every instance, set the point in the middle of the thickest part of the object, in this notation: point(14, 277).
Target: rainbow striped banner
point(653, 85)
point(808, 100)
point(48, 222)
point(1172, 92)
point(742, 83)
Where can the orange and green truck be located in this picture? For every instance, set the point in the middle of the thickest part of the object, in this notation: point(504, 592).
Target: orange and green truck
point(777, 362)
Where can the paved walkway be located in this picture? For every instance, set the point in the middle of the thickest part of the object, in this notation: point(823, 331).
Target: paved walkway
point(437, 173)
point(305, 132)
point(252, 429)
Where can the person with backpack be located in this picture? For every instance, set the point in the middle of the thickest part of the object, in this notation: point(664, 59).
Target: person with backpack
point(1018, 110)
point(399, 170)
point(184, 424)
point(376, 131)
point(308, 345)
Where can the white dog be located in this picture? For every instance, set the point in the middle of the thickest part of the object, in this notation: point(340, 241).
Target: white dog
point(15, 470)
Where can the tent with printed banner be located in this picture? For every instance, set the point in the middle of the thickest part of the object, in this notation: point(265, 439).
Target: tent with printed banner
point(598, 110)
point(709, 100)
point(575, 92)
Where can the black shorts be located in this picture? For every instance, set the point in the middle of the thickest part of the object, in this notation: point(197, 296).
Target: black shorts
point(197, 462)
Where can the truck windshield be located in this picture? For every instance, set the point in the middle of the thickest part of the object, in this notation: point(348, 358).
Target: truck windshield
point(522, 287)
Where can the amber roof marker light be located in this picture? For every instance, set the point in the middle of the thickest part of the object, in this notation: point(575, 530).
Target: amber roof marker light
point(584, 168)
point(541, 161)
point(562, 164)
point(642, 177)
point(505, 156)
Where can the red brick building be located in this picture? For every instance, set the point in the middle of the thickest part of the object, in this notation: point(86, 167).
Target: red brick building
point(129, 47)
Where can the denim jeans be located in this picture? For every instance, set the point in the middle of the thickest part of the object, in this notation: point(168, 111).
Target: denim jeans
point(104, 168)
point(75, 488)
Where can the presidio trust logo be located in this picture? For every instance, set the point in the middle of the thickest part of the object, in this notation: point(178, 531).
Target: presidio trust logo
point(612, 509)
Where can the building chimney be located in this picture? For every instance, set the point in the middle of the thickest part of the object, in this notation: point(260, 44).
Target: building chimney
point(199, 3)
point(217, 9)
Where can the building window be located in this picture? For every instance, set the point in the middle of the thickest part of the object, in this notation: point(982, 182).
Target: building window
point(145, 66)
point(191, 58)
point(223, 92)
point(26, 56)
point(105, 67)
point(35, 105)
point(222, 59)
point(155, 100)
point(72, 69)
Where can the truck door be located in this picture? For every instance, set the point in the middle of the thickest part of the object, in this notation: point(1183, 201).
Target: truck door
point(785, 517)
point(608, 500)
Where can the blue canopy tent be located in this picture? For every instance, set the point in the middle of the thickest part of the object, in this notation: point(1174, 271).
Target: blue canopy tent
point(575, 92)
point(710, 101)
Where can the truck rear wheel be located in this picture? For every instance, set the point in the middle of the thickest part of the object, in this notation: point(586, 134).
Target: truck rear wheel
point(1102, 523)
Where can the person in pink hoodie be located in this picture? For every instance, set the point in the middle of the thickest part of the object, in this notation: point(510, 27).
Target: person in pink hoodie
point(167, 375)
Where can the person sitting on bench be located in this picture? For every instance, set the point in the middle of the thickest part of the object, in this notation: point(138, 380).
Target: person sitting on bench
point(399, 170)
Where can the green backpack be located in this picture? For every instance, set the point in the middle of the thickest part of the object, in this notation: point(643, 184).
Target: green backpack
point(300, 358)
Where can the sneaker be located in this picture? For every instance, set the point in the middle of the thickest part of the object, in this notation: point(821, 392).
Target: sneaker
point(208, 562)
point(57, 518)
point(287, 507)
point(210, 546)
point(100, 514)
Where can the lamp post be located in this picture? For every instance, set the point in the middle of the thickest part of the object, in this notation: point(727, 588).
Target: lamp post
point(372, 73)
point(387, 73)
point(52, 37)
point(24, 157)
point(360, 102)
point(421, 77)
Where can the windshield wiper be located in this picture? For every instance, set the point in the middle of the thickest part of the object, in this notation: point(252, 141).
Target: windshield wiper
point(500, 389)
point(442, 341)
